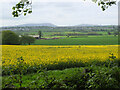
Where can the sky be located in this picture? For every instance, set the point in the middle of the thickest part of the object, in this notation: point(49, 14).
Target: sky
point(59, 12)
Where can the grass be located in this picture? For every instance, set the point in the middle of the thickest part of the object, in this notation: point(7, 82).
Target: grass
point(90, 40)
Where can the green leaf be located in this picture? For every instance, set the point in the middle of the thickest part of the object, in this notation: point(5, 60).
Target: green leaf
point(18, 5)
point(24, 14)
point(25, 10)
point(22, 4)
point(13, 8)
point(19, 10)
point(98, 4)
point(29, 11)
point(13, 12)
point(102, 3)
point(27, 2)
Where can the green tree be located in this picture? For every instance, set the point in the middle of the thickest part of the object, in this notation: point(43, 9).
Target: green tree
point(115, 33)
point(10, 38)
point(0, 37)
point(27, 39)
point(40, 34)
point(25, 6)
point(109, 33)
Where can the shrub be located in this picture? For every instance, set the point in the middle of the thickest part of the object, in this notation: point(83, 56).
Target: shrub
point(10, 38)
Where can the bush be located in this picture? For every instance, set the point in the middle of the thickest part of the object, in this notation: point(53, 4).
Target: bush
point(102, 78)
point(10, 38)
point(27, 39)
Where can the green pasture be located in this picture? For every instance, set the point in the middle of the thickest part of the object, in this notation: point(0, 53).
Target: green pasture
point(82, 40)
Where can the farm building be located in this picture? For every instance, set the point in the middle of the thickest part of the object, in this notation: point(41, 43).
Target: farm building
point(35, 36)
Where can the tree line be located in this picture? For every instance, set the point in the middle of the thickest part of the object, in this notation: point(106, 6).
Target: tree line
point(11, 38)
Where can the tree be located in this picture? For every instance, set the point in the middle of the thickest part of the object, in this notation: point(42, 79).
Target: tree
point(0, 37)
point(27, 39)
point(10, 38)
point(74, 31)
point(40, 34)
point(67, 35)
point(109, 33)
point(115, 33)
point(25, 6)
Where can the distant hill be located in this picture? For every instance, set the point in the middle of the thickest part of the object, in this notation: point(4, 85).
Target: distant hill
point(53, 25)
point(41, 24)
point(86, 25)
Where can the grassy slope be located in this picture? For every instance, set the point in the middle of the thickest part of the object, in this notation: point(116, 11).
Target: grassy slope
point(91, 40)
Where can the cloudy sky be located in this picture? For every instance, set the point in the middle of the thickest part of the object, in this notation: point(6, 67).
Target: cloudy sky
point(59, 12)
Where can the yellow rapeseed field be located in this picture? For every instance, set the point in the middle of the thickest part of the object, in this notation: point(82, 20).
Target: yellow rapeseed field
point(43, 54)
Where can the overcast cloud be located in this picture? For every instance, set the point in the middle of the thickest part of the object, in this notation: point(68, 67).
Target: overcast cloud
point(62, 12)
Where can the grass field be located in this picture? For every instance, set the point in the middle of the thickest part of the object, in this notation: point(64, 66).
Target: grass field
point(83, 40)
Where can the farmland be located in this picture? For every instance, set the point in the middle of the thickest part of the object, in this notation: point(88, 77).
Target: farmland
point(48, 31)
point(54, 56)
point(70, 35)
point(83, 40)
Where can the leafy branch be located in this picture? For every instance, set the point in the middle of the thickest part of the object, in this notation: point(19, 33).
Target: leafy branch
point(24, 6)
point(104, 4)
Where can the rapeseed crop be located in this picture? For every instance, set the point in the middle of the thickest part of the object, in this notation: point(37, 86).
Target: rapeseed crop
point(46, 55)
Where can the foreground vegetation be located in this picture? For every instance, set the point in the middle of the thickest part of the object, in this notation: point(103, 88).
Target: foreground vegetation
point(93, 75)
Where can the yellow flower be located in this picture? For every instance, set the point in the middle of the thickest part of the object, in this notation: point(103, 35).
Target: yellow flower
point(43, 54)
